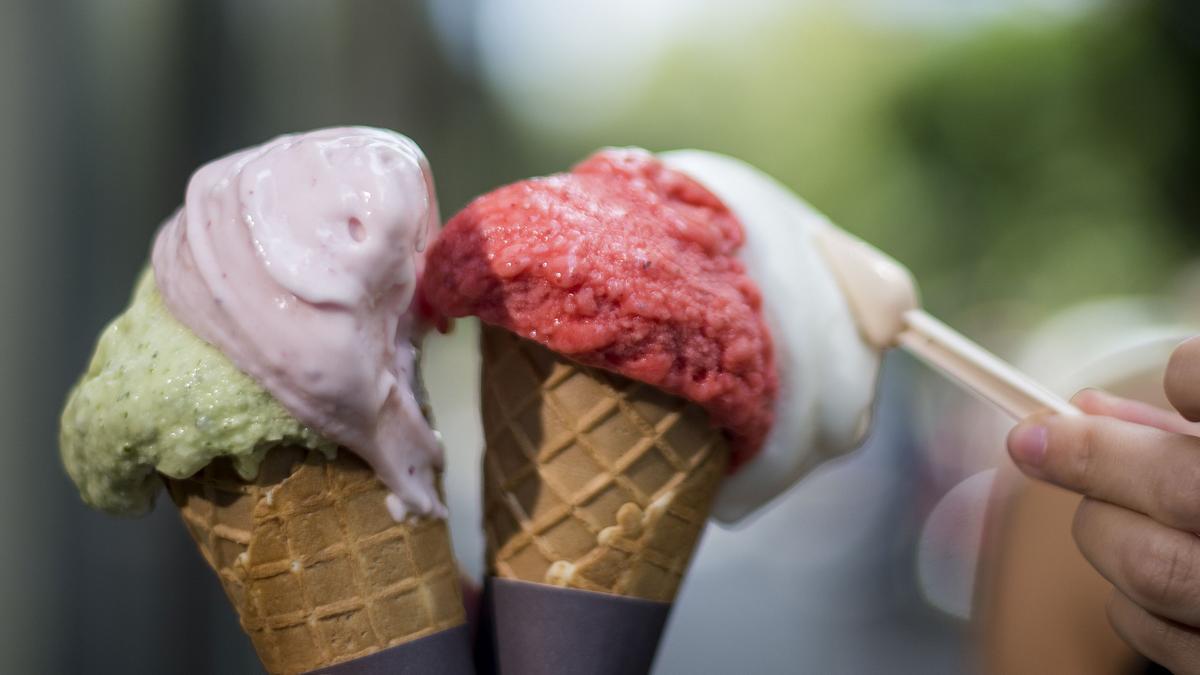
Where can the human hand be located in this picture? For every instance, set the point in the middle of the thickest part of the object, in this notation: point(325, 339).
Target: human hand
point(1138, 467)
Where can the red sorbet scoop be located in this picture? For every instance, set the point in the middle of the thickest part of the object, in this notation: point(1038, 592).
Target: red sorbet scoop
point(621, 264)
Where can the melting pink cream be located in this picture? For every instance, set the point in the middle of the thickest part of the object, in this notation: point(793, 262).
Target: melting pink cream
point(298, 259)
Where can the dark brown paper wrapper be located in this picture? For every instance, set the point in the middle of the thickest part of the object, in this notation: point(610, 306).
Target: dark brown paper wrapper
point(444, 653)
point(536, 629)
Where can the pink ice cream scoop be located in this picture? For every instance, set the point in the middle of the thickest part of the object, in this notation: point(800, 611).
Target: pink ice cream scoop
point(623, 264)
point(299, 260)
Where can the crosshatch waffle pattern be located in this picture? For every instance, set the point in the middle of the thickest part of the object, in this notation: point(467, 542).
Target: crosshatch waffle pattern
point(591, 480)
point(313, 562)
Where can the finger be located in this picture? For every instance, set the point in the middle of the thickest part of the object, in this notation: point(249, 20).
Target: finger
point(1155, 566)
point(1144, 469)
point(1165, 642)
point(1182, 381)
point(1096, 402)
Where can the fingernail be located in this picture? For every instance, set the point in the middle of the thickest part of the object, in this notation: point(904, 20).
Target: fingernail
point(1098, 397)
point(1028, 444)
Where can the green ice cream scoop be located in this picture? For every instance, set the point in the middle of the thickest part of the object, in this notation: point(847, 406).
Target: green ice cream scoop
point(156, 399)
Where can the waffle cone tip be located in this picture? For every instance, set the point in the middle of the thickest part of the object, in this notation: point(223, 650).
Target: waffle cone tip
point(312, 561)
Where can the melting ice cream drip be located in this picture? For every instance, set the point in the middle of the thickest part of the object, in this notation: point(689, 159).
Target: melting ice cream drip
point(298, 259)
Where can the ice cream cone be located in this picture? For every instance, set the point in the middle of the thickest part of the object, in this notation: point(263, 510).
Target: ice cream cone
point(591, 481)
point(317, 569)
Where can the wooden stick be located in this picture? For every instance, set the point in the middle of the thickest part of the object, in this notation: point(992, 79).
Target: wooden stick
point(977, 369)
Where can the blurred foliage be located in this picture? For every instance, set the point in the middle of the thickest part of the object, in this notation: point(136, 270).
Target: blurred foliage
point(1043, 158)
point(1036, 162)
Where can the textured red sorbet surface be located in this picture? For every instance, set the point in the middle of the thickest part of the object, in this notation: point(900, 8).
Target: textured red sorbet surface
point(625, 265)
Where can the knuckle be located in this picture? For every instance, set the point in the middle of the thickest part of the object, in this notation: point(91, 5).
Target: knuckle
point(1158, 636)
point(1170, 646)
point(1153, 637)
point(1163, 574)
point(1084, 438)
point(1178, 496)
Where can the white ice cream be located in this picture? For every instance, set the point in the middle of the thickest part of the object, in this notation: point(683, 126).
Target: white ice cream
point(827, 372)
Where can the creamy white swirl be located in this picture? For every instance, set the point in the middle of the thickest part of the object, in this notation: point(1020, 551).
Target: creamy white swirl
point(299, 259)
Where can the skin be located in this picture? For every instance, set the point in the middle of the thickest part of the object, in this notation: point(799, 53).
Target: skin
point(1040, 607)
point(1138, 468)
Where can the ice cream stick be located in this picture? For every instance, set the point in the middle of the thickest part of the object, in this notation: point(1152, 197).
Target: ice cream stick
point(885, 303)
point(977, 369)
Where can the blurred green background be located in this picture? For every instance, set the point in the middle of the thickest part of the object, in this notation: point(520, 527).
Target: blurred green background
point(1019, 156)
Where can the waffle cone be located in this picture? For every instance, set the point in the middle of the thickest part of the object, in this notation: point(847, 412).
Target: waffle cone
point(591, 480)
point(316, 567)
